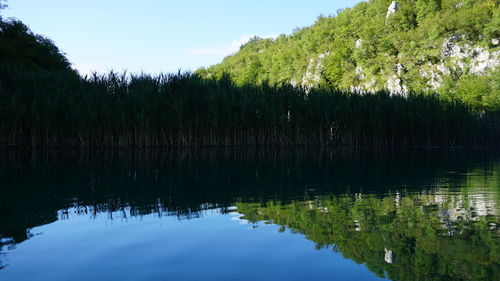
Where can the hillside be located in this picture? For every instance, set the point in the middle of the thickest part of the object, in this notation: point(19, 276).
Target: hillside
point(451, 47)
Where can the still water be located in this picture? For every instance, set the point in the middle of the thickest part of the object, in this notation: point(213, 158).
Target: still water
point(250, 214)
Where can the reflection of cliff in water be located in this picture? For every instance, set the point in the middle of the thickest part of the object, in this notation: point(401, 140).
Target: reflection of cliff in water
point(436, 234)
point(41, 188)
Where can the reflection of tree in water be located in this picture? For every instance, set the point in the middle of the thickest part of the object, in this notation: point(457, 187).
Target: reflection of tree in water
point(429, 235)
point(40, 189)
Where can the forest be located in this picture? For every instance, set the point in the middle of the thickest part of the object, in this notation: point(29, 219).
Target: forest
point(445, 47)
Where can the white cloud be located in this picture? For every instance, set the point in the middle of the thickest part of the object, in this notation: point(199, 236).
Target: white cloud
point(228, 49)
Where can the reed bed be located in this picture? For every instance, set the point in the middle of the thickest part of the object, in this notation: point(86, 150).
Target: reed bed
point(61, 109)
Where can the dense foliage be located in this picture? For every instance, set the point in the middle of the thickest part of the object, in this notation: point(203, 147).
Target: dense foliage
point(364, 48)
point(400, 236)
point(18, 45)
point(63, 109)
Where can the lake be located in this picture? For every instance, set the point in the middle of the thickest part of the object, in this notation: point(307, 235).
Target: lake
point(250, 214)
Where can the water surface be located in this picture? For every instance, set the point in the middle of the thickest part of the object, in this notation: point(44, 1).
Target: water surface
point(250, 214)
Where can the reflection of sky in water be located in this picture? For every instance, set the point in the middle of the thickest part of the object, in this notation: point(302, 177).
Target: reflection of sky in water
point(149, 247)
point(294, 216)
point(216, 244)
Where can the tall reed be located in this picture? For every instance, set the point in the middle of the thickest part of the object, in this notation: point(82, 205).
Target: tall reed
point(117, 110)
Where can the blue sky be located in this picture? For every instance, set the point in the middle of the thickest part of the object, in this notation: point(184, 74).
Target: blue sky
point(161, 36)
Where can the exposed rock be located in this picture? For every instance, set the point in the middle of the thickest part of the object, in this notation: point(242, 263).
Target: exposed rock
point(443, 69)
point(395, 86)
point(434, 80)
point(358, 89)
point(458, 56)
point(393, 8)
point(359, 43)
point(484, 61)
point(388, 257)
point(312, 75)
point(400, 69)
point(357, 225)
point(359, 72)
point(462, 56)
point(449, 47)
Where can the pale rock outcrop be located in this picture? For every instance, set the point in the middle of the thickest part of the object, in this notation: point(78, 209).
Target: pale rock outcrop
point(449, 48)
point(434, 80)
point(400, 69)
point(443, 69)
point(395, 86)
point(479, 59)
point(359, 44)
point(393, 8)
point(363, 88)
point(312, 75)
point(459, 57)
point(456, 207)
point(358, 89)
point(359, 72)
point(388, 257)
point(483, 61)
point(357, 225)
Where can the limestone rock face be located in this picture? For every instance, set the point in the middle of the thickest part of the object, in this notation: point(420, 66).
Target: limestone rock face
point(449, 48)
point(467, 58)
point(359, 43)
point(393, 8)
point(312, 75)
point(458, 56)
point(395, 86)
point(388, 256)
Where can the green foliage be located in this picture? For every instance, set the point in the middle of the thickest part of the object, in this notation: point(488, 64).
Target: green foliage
point(425, 7)
point(412, 37)
point(402, 236)
point(338, 63)
point(481, 92)
point(20, 46)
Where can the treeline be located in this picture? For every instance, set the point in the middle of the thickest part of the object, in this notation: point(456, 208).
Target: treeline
point(44, 108)
point(19, 45)
point(363, 47)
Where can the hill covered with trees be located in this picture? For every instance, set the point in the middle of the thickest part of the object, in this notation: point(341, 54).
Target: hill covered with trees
point(450, 47)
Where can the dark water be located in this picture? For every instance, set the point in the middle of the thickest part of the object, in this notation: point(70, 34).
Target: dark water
point(246, 214)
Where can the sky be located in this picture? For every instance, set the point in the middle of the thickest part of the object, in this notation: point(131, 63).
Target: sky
point(156, 36)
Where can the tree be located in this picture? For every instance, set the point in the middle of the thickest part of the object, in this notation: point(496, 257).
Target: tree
point(425, 7)
point(18, 45)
